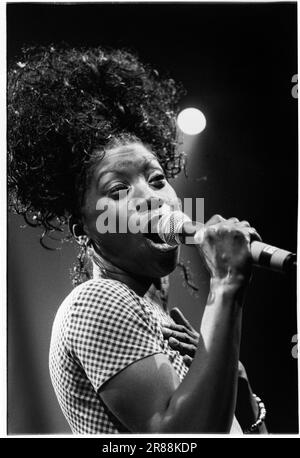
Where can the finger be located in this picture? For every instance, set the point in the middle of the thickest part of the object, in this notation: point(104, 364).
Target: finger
point(173, 332)
point(182, 337)
point(183, 348)
point(233, 220)
point(179, 318)
point(177, 327)
point(250, 233)
point(181, 333)
point(245, 223)
point(167, 332)
point(214, 220)
point(254, 235)
point(188, 360)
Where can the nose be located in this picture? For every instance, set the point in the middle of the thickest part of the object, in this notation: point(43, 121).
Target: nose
point(145, 198)
point(150, 204)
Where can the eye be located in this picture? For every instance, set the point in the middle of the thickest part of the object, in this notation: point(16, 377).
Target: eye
point(118, 191)
point(158, 180)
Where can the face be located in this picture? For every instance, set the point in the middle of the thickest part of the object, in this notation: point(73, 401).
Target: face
point(127, 175)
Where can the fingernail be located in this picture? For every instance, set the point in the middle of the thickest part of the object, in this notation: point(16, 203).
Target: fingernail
point(166, 332)
point(174, 341)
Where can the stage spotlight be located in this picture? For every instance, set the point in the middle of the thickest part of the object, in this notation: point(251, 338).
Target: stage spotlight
point(191, 121)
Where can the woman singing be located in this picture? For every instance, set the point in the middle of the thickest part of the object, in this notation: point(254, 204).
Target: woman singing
point(91, 130)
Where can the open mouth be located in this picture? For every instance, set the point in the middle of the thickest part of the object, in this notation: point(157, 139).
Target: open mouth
point(154, 237)
point(150, 228)
point(153, 240)
point(160, 246)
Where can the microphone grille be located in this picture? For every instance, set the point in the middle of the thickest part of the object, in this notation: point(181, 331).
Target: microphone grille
point(170, 226)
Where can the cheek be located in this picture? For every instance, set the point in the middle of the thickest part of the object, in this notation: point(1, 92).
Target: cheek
point(99, 217)
point(109, 230)
point(110, 217)
point(171, 198)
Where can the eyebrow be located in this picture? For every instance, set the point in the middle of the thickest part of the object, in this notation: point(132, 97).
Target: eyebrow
point(123, 164)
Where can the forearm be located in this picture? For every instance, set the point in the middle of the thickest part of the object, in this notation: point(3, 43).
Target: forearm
point(205, 400)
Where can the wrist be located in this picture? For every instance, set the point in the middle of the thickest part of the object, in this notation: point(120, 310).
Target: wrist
point(229, 290)
point(227, 286)
point(260, 417)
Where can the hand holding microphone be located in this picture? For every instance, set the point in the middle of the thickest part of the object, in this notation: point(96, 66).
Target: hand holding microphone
point(226, 236)
point(225, 247)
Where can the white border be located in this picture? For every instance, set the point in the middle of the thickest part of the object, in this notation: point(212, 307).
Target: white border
point(3, 238)
point(3, 366)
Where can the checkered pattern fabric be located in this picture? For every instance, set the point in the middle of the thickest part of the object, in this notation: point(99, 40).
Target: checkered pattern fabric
point(101, 328)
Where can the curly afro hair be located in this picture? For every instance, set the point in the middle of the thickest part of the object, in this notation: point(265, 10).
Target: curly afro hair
point(65, 106)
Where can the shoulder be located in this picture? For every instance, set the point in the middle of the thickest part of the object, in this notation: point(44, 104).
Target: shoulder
point(101, 290)
point(103, 301)
point(102, 293)
point(108, 319)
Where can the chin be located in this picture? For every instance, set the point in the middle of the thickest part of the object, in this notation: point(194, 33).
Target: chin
point(163, 266)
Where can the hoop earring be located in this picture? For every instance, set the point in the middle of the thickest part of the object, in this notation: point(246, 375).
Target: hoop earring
point(80, 272)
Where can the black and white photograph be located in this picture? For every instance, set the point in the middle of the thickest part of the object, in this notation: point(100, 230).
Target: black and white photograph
point(152, 206)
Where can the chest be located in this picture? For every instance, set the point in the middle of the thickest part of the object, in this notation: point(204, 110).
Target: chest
point(158, 317)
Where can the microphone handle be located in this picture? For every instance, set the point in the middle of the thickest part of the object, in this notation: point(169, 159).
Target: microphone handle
point(273, 258)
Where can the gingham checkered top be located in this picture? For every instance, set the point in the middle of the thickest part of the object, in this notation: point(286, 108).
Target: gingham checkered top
point(99, 329)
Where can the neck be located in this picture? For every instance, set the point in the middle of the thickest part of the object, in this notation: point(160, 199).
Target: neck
point(105, 269)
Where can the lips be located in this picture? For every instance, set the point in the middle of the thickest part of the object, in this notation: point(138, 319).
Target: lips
point(159, 246)
point(149, 222)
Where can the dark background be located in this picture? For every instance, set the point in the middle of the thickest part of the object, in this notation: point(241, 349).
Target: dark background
point(236, 62)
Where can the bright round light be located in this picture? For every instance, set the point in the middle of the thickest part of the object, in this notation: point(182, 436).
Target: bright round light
point(191, 121)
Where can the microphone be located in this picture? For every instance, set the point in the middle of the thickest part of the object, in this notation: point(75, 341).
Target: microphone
point(175, 228)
